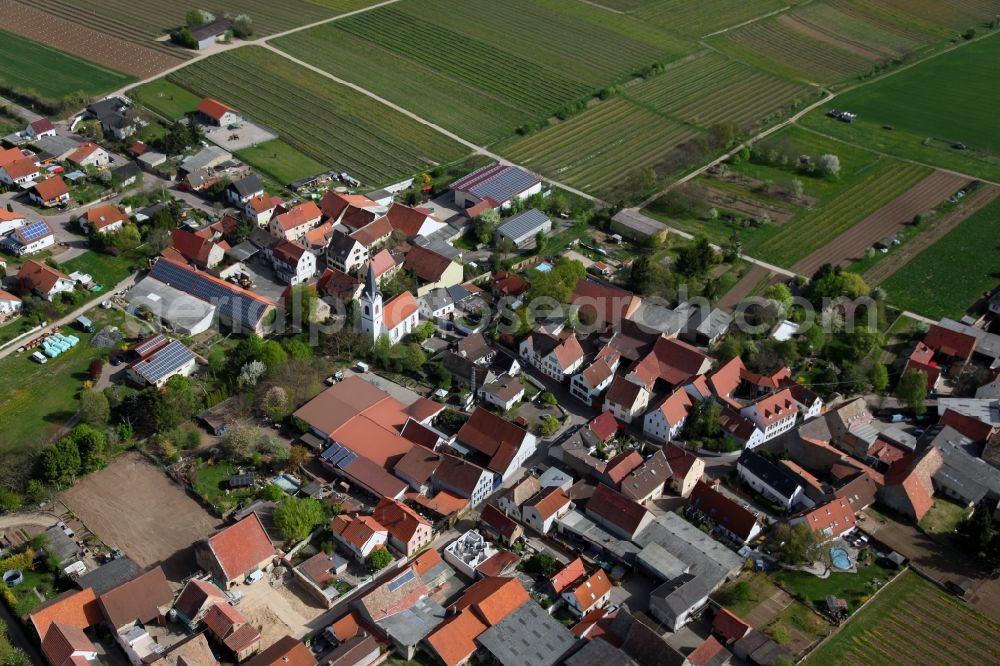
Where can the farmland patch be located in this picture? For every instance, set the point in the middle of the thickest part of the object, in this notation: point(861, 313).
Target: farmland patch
point(166, 99)
point(700, 18)
point(950, 275)
point(280, 161)
point(51, 74)
point(328, 122)
point(601, 149)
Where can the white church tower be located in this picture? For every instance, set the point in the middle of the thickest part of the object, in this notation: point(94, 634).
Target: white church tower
point(371, 307)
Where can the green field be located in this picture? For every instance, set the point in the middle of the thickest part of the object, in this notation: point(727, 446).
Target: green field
point(697, 18)
point(326, 121)
point(854, 588)
point(106, 270)
point(165, 98)
point(601, 148)
point(955, 105)
point(426, 54)
point(711, 88)
point(947, 278)
point(280, 161)
point(912, 622)
point(39, 399)
point(50, 74)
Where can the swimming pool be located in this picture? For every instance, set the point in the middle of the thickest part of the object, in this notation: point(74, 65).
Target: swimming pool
point(841, 559)
point(287, 483)
point(543, 267)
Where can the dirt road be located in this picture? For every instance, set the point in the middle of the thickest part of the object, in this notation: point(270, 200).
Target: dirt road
point(743, 288)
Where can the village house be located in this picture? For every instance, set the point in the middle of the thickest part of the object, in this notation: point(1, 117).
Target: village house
point(132, 605)
point(502, 445)
point(522, 229)
point(229, 628)
point(344, 253)
point(646, 482)
point(49, 192)
point(43, 280)
point(463, 479)
point(408, 531)
point(503, 392)
point(214, 112)
point(726, 516)
point(40, 129)
point(235, 552)
point(293, 264)
point(626, 399)
point(556, 353)
point(772, 481)
point(432, 270)
point(118, 119)
point(29, 239)
point(828, 519)
point(244, 189)
point(511, 500)
point(664, 422)
point(774, 414)
point(9, 304)
point(195, 600)
point(198, 250)
point(351, 210)
point(373, 235)
point(686, 469)
point(495, 522)
point(621, 516)
point(103, 219)
point(360, 535)
point(318, 576)
point(294, 224)
point(587, 386)
point(942, 352)
point(541, 511)
point(66, 644)
point(287, 651)
point(588, 593)
point(413, 222)
point(20, 171)
point(90, 154)
point(494, 186)
point(259, 209)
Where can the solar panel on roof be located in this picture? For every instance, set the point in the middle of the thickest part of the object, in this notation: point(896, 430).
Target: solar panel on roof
point(399, 582)
point(166, 361)
point(331, 452)
point(504, 185)
point(35, 230)
point(242, 480)
point(233, 303)
point(347, 460)
point(151, 343)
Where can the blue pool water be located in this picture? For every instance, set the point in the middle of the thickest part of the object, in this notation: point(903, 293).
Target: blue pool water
point(840, 558)
point(543, 267)
point(286, 483)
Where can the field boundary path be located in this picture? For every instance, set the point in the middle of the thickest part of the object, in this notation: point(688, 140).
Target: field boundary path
point(902, 255)
point(743, 287)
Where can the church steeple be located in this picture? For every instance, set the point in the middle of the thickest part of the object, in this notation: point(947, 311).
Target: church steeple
point(371, 284)
point(371, 307)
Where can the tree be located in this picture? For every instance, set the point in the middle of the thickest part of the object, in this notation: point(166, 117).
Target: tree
point(91, 445)
point(59, 462)
point(814, 338)
point(297, 456)
point(798, 189)
point(251, 372)
point(240, 441)
point(423, 331)
point(275, 402)
point(829, 165)
point(242, 26)
point(541, 564)
point(379, 559)
point(196, 17)
point(273, 355)
point(413, 358)
point(793, 544)
point(486, 225)
point(179, 398)
point(296, 518)
point(297, 349)
point(272, 492)
point(95, 409)
point(912, 390)
point(879, 377)
point(548, 426)
point(695, 259)
point(640, 275)
point(781, 294)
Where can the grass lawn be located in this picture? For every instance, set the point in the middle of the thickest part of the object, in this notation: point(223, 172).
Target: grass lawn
point(943, 517)
point(955, 106)
point(909, 621)
point(854, 588)
point(40, 398)
point(27, 600)
point(165, 98)
point(280, 161)
point(106, 270)
point(211, 482)
point(52, 74)
point(948, 277)
point(743, 595)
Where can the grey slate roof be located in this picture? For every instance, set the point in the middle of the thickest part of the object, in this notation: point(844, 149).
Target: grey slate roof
point(109, 575)
point(524, 224)
point(529, 635)
point(776, 476)
point(247, 186)
point(964, 472)
point(599, 652)
point(412, 625)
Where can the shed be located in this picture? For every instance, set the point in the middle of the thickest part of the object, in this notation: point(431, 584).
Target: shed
point(85, 323)
point(522, 228)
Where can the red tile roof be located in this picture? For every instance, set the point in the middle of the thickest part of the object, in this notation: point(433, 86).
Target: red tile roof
point(426, 264)
point(569, 574)
point(195, 595)
point(976, 430)
point(493, 598)
point(705, 653)
point(214, 108)
point(723, 511)
point(222, 618)
point(623, 392)
point(492, 436)
point(304, 213)
point(731, 627)
point(382, 262)
point(406, 219)
point(346, 627)
point(21, 168)
point(426, 561)
point(455, 639)
point(356, 531)
point(603, 303)
point(139, 599)
point(51, 188)
point(38, 276)
point(590, 590)
point(76, 607)
point(622, 465)
point(837, 515)
point(103, 216)
point(260, 203)
point(679, 459)
point(399, 309)
point(191, 246)
point(548, 502)
point(949, 342)
point(496, 519)
point(500, 564)
point(86, 149)
point(616, 509)
point(241, 547)
point(62, 640)
point(400, 520)
point(777, 406)
point(288, 252)
point(287, 651)
point(675, 406)
point(373, 233)
point(509, 284)
point(605, 426)
point(670, 360)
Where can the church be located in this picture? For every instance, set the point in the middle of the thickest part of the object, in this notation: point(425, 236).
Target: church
point(395, 319)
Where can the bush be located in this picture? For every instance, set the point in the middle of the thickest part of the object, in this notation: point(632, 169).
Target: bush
point(379, 559)
point(548, 398)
